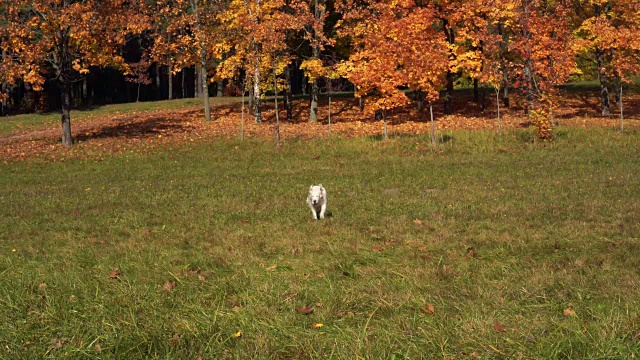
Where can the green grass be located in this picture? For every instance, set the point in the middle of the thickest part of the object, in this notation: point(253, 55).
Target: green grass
point(35, 121)
point(512, 234)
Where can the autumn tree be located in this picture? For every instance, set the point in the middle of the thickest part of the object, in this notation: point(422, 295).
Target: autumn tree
point(541, 39)
point(451, 16)
point(608, 35)
point(488, 28)
point(61, 39)
point(254, 44)
point(171, 40)
point(315, 35)
point(139, 74)
point(400, 47)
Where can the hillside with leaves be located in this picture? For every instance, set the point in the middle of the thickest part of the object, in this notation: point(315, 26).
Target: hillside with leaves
point(391, 54)
point(170, 125)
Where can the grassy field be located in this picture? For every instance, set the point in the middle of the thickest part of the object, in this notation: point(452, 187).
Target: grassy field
point(488, 247)
point(78, 116)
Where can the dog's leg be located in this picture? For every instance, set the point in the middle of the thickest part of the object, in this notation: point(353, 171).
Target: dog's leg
point(323, 209)
point(315, 214)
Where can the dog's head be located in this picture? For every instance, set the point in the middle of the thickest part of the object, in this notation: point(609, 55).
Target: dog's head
point(316, 194)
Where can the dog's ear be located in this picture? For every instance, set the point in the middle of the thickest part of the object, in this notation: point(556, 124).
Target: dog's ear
point(310, 187)
point(321, 186)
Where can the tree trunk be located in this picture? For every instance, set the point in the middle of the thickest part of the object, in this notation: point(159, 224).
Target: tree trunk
point(498, 105)
point(170, 76)
point(184, 90)
point(379, 115)
point(505, 93)
point(287, 94)
point(604, 82)
point(242, 119)
point(85, 93)
point(419, 97)
point(621, 116)
point(433, 126)
point(329, 127)
point(304, 85)
point(158, 88)
point(4, 87)
point(448, 97)
point(256, 94)
point(252, 110)
point(197, 79)
point(220, 89)
point(66, 114)
point(138, 95)
point(476, 92)
point(529, 86)
point(275, 99)
point(313, 113)
point(503, 65)
point(205, 88)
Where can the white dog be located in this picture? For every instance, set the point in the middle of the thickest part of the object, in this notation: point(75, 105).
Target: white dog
point(317, 201)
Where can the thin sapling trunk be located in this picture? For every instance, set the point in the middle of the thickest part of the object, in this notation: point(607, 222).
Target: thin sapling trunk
point(498, 104)
point(433, 126)
point(242, 118)
point(66, 114)
point(275, 98)
point(621, 116)
point(329, 127)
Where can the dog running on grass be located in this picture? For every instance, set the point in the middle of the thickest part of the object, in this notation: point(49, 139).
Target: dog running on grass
point(317, 201)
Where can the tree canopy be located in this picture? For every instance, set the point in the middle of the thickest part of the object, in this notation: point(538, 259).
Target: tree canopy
point(393, 52)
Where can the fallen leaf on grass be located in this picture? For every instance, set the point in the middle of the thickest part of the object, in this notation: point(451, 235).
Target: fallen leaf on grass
point(378, 249)
point(57, 343)
point(288, 296)
point(114, 274)
point(271, 268)
point(497, 327)
point(169, 285)
point(417, 221)
point(192, 271)
point(317, 325)
point(569, 312)
point(238, 334)
point(305, 310)
point(472, 252)
point(318, 304)
point(429, 310)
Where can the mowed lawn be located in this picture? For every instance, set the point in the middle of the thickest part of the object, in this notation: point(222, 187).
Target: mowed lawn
point(487, 247)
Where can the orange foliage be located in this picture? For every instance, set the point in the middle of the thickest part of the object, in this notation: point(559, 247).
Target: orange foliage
point(398, 46)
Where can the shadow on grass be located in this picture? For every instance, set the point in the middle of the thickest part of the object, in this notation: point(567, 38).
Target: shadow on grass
point(131, 128)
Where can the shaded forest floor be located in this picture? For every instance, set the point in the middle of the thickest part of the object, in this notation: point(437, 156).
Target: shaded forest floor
point(138, 128)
